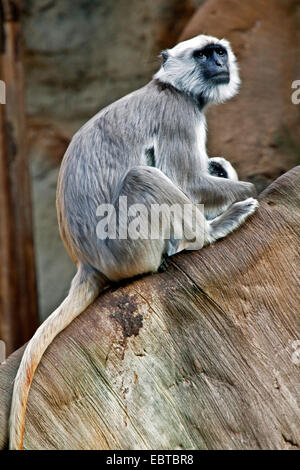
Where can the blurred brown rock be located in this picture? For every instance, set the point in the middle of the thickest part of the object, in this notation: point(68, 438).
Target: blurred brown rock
point(259, 130)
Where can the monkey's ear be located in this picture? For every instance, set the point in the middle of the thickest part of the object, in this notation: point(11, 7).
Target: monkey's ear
point(164, 56)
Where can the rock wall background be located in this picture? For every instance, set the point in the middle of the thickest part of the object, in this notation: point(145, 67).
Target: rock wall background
point(82, 55)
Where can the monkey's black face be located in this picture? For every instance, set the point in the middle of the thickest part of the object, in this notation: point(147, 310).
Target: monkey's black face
point(213, 61)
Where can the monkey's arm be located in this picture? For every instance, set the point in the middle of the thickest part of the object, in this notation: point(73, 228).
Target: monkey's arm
point(180, 159)
point(180, 153)
point(221, 192)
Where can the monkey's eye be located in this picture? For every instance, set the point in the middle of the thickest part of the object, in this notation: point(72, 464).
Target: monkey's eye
point(199, 54)
point(220, 51)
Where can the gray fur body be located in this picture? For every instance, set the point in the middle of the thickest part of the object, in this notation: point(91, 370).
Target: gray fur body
point(112, 149)
point(117, 140)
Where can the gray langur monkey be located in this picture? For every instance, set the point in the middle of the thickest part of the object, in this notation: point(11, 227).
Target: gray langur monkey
point(149, 146)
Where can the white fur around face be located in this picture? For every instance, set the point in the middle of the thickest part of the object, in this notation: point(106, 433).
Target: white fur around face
point(180, 70)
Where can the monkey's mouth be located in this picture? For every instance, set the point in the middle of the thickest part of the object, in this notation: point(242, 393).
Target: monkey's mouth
point(221, 78)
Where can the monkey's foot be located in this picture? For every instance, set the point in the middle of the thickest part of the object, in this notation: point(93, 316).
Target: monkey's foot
point(230, 220)
point(246, 207)
point(164, 265)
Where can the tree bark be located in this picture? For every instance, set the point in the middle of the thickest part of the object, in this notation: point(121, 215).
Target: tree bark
point(18, 300)
point(202, 356)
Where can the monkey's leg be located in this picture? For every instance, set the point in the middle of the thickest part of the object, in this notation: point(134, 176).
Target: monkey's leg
point(149, 190)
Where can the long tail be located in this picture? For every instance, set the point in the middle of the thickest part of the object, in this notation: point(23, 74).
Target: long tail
point(85, 287)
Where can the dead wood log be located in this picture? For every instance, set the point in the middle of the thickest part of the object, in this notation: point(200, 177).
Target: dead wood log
point(202, 356)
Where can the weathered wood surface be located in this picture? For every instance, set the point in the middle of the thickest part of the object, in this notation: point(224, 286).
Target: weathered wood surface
point(201, 356)
point(18, 300)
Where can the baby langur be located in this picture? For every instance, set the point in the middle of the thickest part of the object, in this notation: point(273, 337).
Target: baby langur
point(150, 147)
point(218, 166)
point(221, 167)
